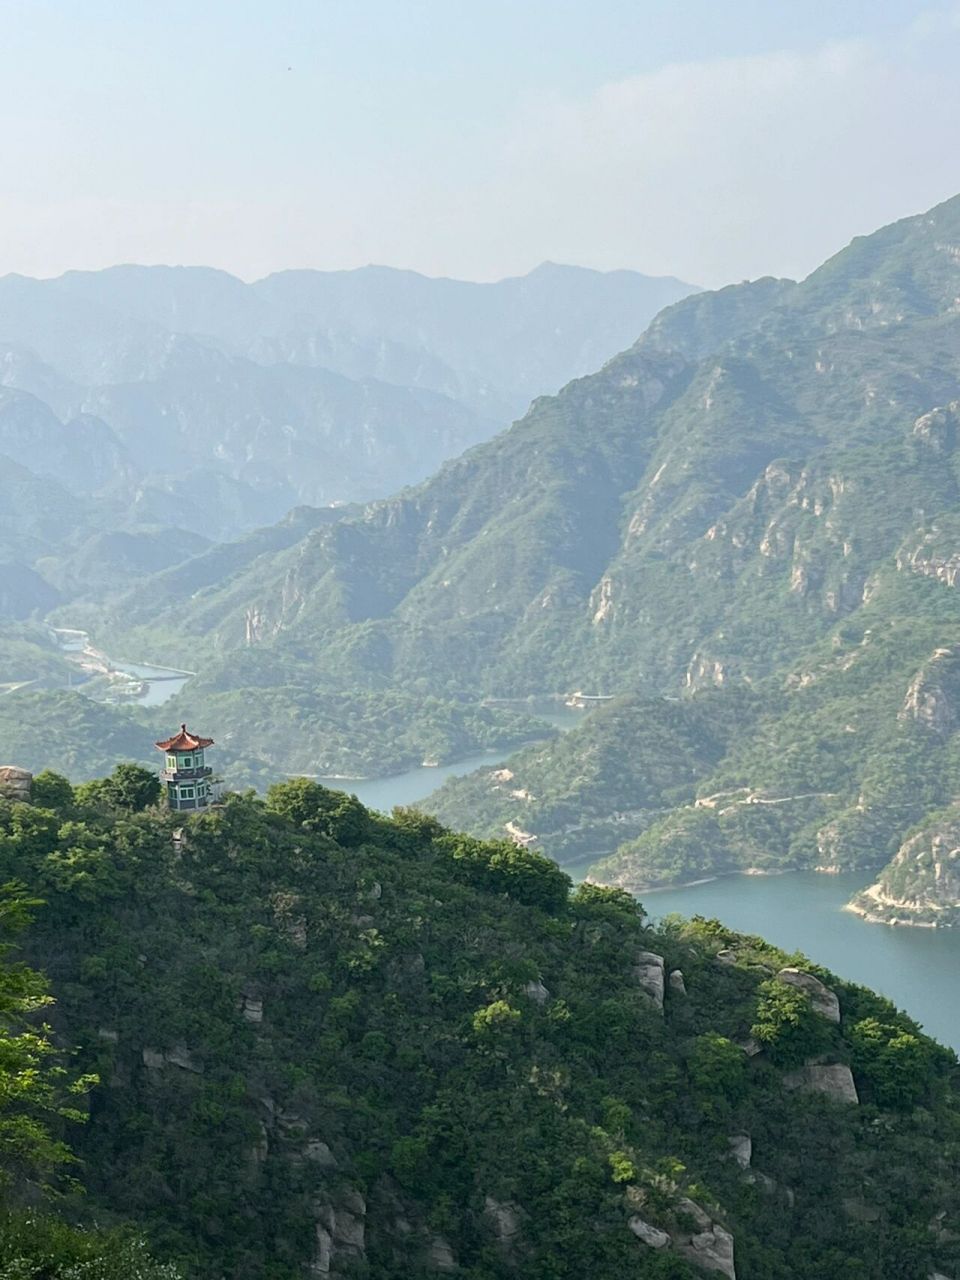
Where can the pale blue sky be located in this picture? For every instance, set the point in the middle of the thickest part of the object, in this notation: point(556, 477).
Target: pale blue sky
point(706, 140)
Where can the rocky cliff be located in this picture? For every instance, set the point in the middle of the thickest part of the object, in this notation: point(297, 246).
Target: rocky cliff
point(921, 885)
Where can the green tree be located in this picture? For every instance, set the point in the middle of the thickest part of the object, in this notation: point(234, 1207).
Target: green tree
point(786, 1024)
point(307, 804)
point(717, 1069)
point(34, 1089)
point(51, 791)
point(129, 787)
point(896, 1064)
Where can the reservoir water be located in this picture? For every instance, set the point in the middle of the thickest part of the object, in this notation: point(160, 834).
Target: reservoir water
point(161, 683)
point(412, 786)
point(416, 784)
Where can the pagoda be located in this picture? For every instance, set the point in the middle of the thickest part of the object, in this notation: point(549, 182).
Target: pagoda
point(187, 776)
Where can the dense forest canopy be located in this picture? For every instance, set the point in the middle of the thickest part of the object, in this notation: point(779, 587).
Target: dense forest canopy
point(311, 1036)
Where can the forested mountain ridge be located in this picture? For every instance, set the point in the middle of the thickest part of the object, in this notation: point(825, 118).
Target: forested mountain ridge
point(656, 518)
point(492, 346)
point(778, 512)
point(182, 402)
point(331, 1043)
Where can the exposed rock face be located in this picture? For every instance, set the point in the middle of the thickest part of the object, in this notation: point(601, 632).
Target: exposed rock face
point(440, 1255)
point(832, 1078)
point(15, 783)
point(741, 1148)
point(822, 999)
point(340, 1232)
point(178, 1056)
point(648, 1233)
point(536, 992)
point(921, 886)
point(710, 1247)
point(677, 984)
point(649, 971)
point(936, 431)
point(320, 1154)
point(252, 1008)
point(504, 1221)
point(933, 698)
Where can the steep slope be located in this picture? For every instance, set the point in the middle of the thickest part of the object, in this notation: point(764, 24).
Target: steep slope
point(183, 396)
point(332, 1044)
point(656, 521)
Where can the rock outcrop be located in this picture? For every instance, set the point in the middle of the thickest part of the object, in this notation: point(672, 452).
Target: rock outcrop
point(650, 974)
point(822, 999)
point(921, 885)
point(834, 1079)
point(15, 783)
point(648, 1233)
point(694, 1235)
point(340, 1232)
point(536, 992)
point(677, 984)
point(933, 697)
point(710, 1246)
point(741, 1148)
point(504, 1220)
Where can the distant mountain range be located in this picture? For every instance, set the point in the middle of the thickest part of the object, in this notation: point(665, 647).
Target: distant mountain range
point(181, 398)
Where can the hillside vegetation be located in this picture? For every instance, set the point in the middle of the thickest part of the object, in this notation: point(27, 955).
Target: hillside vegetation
point(332, 1043)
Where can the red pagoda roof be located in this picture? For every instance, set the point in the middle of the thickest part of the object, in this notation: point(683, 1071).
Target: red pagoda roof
point(184, 741)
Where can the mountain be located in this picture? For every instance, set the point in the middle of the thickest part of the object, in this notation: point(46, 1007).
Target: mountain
point(492, 346)
point(761, 492)
point(184, 397)
point(618, 534)
point(328, 1043)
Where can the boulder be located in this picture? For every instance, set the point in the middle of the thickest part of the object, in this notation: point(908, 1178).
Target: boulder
point(741, 1148)
point(710, 1247)
point(822, 999)
point(319, 1153)
point(180, 1056)
point(15, 783)
point(503, 1219)
point(340, 1230)
point(835, 1079)
point(677, 984)
point(536, 992)
point(648, 1233)
point(440, 1255)
point(252, 1008)
point(648, 969)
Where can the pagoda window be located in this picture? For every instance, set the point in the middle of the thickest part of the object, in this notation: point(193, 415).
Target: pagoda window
point(171, 762)
point(188, 762)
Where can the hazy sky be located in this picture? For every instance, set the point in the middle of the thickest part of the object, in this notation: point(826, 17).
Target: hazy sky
point(709, 139)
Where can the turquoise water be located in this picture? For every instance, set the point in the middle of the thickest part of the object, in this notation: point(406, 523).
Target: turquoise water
point(412, 786)
point(161, 682)
point(416, 784)
point(918, 969)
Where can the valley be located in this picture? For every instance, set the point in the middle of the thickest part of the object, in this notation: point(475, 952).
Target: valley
point(479, 740)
